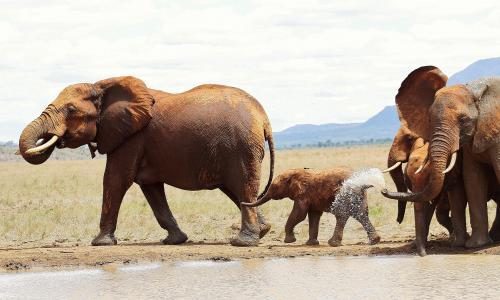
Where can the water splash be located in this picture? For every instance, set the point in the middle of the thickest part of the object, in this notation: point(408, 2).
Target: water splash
point(350, 199)
point(367, 177)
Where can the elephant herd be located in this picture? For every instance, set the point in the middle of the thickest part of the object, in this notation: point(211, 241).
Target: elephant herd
point(450, 138)
point(214, 136)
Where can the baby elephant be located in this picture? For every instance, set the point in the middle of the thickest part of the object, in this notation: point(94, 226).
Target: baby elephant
point(318, 191)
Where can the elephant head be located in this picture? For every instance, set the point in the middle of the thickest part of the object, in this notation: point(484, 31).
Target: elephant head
point(106, 113)
point(413, 99)
point(286, 185)
point(460, 115)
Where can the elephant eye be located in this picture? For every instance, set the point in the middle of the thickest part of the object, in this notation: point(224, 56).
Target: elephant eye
point(72, 109)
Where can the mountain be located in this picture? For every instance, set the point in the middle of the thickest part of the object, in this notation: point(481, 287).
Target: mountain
point(380, 127)
point(481, 68)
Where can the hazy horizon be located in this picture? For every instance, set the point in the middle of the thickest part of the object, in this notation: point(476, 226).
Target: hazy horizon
point(307, 63)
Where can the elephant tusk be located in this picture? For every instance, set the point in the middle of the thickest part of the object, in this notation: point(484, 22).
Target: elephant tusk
point(419, 169)
point(452, 163)
point(392, 168)
point(42, 147)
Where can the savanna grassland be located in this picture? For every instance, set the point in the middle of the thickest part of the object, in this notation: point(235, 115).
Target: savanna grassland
point(57, 205)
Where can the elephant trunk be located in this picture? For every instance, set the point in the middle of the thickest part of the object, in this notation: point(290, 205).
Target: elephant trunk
point(444, 141)
point(399, 180)
point(34, 131)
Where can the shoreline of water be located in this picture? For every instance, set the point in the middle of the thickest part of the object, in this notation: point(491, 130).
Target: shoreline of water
point(315, 277)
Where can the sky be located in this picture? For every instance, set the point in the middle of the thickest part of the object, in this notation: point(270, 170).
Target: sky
point(308, 62)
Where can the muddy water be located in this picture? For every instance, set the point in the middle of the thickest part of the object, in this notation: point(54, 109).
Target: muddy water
point(431, 277)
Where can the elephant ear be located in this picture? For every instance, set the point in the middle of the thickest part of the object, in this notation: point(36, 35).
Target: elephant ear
point(296, 187)
point(416, 95)
point(487, 100)
point(125, 108)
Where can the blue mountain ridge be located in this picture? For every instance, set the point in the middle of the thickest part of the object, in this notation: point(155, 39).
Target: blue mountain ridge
point(381, 126)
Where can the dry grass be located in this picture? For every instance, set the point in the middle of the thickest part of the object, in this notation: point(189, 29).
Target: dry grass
point(60, 201)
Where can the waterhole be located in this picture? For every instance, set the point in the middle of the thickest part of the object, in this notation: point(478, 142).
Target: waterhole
point(404, 277)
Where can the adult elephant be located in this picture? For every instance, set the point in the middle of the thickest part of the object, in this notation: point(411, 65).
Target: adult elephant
point(210, 137)
point(415, 179)
point(410, 146)
point(463, 117)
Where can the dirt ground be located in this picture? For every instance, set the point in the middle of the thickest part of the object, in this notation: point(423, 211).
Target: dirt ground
point(63, 255)
point(50, 213)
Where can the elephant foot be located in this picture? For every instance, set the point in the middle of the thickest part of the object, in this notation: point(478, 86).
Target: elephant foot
point(421, 251)
point(334, 242)
point(458, 241)
point(104, 239)
point(245, 240)
point(374, 239)
point(312, 242)
point(477, 241)
point(495, 235)
point(264, 229)
point(175, 239)
point(290, 239)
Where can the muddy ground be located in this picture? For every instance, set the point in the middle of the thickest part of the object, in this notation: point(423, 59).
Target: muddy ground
point(67, 255)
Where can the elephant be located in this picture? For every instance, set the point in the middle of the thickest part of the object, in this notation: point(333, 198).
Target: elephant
point(452, 118)
point(318, 191)
point(409, 146)
point(415, 179)
point(209, 137)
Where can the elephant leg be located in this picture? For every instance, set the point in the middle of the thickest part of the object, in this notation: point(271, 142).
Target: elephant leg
point(117, 180)
point(155, 194)
point(250, 227)
point(314, 217)
point(458, 203)
point(443, 214)
point(476, 187)
point(297, 215)
point(494, 154)
point(364, 220)
point(338, 233)
point(265, 227)
point(495, 227)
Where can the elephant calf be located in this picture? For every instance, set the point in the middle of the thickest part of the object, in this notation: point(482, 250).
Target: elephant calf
point(318, 191)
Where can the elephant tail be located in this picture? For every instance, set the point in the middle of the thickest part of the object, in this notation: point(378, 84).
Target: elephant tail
point(268, 133)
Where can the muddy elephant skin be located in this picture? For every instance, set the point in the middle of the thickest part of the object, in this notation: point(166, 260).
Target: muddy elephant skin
point(210, 137)
point(452, 118)
point(315, 192)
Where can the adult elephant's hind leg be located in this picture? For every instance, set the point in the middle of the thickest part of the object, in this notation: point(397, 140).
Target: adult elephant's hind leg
point(250, 228)
point(264, 225)
point(155, 194)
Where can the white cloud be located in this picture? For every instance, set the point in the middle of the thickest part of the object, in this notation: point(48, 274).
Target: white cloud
point(306, 61)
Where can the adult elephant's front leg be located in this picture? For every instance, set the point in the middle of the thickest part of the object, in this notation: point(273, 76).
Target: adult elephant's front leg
point(476, 187)
point(117, 180)
point(458, 204)
point(155, 194)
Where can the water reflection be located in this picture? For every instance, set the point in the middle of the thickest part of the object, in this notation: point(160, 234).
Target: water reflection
point(430, 277)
